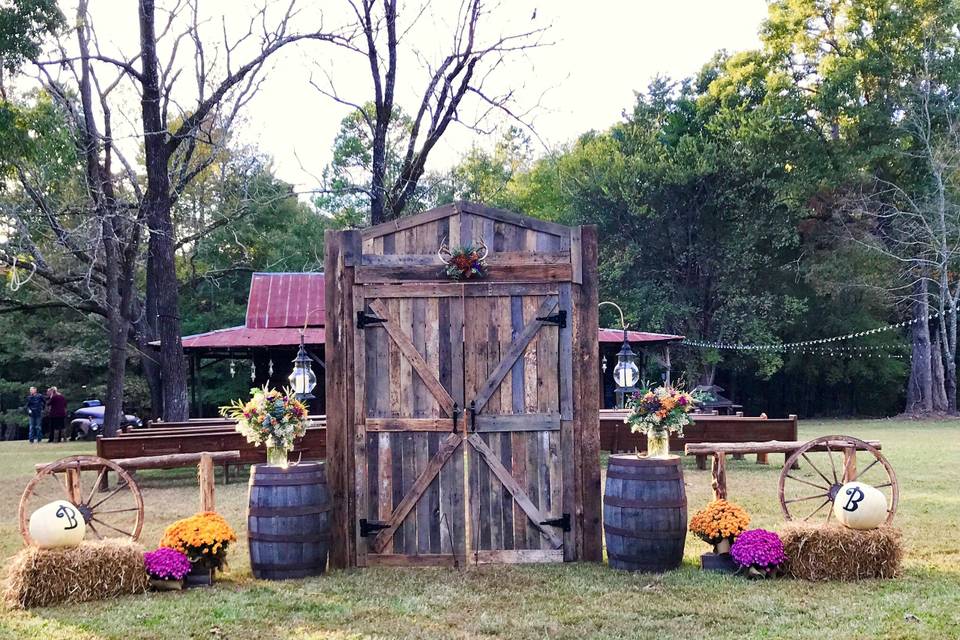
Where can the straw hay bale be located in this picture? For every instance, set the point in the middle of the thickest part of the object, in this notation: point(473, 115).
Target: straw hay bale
point(92, 571)
point(834, 552)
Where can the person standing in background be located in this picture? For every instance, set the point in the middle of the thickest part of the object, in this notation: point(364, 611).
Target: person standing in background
point(34, 407)
point(58, 414)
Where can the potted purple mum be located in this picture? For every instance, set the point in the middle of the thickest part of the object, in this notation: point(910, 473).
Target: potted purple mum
point(758, 553)
point(166, 568)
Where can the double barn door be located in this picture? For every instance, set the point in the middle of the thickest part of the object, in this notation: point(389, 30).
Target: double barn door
point(463, 408)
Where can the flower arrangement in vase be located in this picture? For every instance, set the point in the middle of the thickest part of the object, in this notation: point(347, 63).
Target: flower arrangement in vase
point(657, 412)
point(204, 538)
point(274, 419)
point(758, 553)
point(719, 524)
point(464, 263)
point(166, 568)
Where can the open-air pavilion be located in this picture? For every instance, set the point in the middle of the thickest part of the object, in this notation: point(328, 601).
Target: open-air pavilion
point(282, 305)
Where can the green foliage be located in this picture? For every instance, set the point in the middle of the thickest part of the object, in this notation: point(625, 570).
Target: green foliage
point(23, 26)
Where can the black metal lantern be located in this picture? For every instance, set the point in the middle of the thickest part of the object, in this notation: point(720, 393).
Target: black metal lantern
point(302, 380)
point(626, 374)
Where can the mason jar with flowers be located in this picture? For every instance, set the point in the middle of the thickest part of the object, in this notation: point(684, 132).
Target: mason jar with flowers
point(657, 412)
point(274, 419)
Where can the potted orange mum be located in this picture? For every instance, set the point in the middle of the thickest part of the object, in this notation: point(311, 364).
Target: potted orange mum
point(719, 524)
point(204, 539)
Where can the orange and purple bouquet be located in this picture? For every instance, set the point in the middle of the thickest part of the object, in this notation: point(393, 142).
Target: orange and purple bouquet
point(271, 418)
point(203, 538)
point(664, 409)
point(466, 263)
point(720, 520)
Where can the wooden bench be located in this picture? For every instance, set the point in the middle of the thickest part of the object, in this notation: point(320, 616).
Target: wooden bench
point(615, 436)
point(720, 450)
point(313, 446)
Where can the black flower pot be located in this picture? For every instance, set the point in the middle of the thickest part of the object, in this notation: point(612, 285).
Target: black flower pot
point(719, 562)
point(199, 576)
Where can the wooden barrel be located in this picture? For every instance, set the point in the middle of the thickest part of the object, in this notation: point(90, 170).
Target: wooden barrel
point(644, 513)
point(288, 521)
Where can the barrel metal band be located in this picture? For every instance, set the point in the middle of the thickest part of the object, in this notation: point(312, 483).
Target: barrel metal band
point(637, 560)
point(672, 474)
point(288, 481)
point(288, 537)
point(643, 535)
point(320, 564)
point(633, 461)
point(296, 510)
point(616, 501)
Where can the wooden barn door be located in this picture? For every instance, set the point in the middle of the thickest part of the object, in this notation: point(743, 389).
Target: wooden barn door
point(517, 382)
point(409, 433)
point(462, 397)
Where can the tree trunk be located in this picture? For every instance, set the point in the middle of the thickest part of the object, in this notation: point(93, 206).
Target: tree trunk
point(161, 266)
point(920, 385)
point(938, 387)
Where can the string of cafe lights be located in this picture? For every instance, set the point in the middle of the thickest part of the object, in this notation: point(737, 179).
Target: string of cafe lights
point(812, 346)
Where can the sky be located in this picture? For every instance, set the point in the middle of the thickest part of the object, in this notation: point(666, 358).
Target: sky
point(598, 53)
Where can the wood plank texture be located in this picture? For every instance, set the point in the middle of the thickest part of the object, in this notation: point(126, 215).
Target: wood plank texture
point(519, 495)
point(449, 445)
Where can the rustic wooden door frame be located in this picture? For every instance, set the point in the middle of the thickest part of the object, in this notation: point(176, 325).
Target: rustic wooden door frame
point(346, 264)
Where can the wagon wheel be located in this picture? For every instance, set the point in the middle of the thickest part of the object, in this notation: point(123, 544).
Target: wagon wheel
point(824, 465)
point(113, 513)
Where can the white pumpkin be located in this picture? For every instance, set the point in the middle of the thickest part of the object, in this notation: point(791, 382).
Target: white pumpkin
point(57, 524)
point(860, 506)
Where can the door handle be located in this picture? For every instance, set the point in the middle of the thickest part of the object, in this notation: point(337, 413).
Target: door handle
point(456, 414)
point(473, 416)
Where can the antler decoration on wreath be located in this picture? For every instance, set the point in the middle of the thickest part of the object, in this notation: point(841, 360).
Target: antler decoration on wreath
point(464, 263)
point(444, 250)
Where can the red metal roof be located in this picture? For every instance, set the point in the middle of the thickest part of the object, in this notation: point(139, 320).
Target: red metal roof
point(279, 300)
point(244, 337)
point(616, 335)
point(279, 304)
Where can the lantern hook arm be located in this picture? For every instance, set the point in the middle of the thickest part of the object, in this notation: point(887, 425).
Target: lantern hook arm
point(623, 322)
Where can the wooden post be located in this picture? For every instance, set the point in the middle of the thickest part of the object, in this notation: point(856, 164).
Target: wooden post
point(207, 502)
point(738, 456)
point(702, 463)
point(73, 486)
point(719, 471)
point(588, 407)
point(342, 248)
point(849, 464)
point(762, 458)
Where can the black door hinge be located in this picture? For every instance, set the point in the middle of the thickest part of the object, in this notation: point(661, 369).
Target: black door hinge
point(365, 319)
point(559, 319)
point(563, 522)
point(367, 527)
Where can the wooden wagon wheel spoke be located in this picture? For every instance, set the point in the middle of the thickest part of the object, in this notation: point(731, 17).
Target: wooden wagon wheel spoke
point(863, 471)
point(100, 513)
point(117, 490)
point(110, 526)
point(814, 467)
point(815, 486)
point(96, 484)
point(817, 510)
point(819, 495)
point(95, 532)
point(833, 465)
point(885, 484)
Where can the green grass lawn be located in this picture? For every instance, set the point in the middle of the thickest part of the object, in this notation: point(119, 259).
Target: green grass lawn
point(558, 601)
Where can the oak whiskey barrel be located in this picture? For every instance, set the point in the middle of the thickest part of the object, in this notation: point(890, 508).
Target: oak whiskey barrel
point(288, 521)
point(644, 513)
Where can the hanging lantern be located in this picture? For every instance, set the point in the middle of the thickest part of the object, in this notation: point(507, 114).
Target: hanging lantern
point(626, 374)
point(302, 380)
